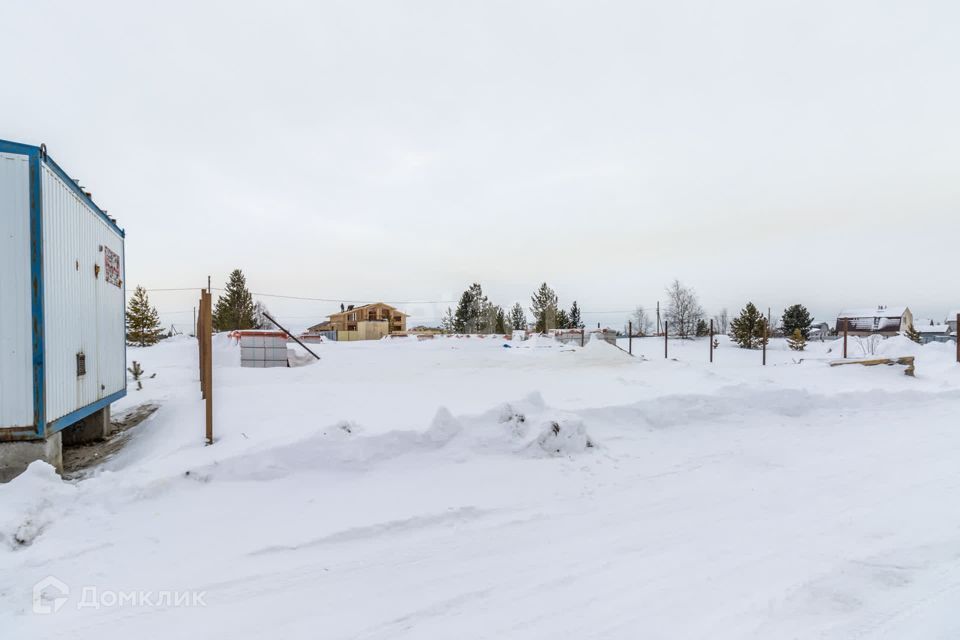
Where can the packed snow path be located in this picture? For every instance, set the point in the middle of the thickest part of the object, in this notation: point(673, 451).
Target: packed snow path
point(460, 489)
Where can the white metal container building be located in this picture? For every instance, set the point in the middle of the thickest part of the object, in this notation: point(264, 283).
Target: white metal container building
point(62, 299)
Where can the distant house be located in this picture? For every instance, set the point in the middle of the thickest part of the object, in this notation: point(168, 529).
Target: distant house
point(952, 321)
point(879, 321)
point(366, 322)
point(819, 331)
point(933, 332)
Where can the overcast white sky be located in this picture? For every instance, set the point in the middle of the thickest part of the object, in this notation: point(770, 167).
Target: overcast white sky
point(773, 151)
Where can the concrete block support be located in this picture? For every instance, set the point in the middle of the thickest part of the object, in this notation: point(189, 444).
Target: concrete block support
point(93, 428)
point(15, 457)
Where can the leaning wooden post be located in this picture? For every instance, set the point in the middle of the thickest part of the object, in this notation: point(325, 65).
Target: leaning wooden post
point(711, 340)
point(630, 337)
point(666, 332)
point(846, 322)
point(582, 332)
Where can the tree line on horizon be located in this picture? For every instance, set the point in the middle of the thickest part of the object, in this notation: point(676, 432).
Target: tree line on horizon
point(683, 316)
point(475, 313)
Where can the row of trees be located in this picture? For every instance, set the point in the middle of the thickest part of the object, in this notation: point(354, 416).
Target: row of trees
point(475, 313)
point(750, 329)
point(235, 309)
point(685, 317)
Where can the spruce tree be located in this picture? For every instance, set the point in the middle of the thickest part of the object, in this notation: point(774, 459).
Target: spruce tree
point(501, 321)
point(481, 315)
point(462, 316)
point(913, 334)
point(797, 341)
point(747, 329)
point(702, 328)
point(234, 308)
point(518, 319)
point(543, 306)
point(143, 321)
point(796, 317)
point(474, 312)
point(563, 320)
point(574, 315)
point(448, 322)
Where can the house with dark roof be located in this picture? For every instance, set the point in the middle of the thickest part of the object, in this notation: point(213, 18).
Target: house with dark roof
point(878, 321)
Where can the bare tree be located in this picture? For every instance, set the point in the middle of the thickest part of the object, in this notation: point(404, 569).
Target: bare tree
point(641, 321)
point(721, 322)
point(260, 320)
point(683, 310)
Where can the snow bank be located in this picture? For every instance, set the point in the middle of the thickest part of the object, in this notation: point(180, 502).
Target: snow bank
point(30, 502)
point(525, 428)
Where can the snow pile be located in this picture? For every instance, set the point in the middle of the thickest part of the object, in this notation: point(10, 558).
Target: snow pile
point(527, 427)
point(297, 356)
point(554, 433)
point(30, 503)
point(564, 437)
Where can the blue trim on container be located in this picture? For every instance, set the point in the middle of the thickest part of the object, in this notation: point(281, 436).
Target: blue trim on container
point(36, 296)
point(16, 147)
point(61, 423)
point(123, 283)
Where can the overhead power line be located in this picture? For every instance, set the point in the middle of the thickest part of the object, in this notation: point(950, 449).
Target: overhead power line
point(308, 298)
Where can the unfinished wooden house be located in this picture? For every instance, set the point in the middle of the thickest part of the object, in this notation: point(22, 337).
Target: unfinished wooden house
point(367, 322)
point(880, 321)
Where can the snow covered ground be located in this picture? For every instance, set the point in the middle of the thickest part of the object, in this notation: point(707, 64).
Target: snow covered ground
point(455, 488)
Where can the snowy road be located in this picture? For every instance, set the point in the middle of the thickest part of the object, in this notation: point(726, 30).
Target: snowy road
point(732, 501)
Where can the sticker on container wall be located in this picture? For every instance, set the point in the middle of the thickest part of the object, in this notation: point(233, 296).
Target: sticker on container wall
point(112, 264)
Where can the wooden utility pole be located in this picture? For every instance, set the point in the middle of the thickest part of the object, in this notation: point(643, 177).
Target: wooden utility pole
point(846, 323)
point(208, 339)
point(630, 337)
point(666, 333)
point(711, 340)
point(205, 347)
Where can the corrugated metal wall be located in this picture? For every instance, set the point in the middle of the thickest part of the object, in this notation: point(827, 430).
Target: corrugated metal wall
point(16, 336)
point(82, 311)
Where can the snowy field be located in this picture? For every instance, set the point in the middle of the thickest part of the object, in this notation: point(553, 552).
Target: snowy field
point(455, 488)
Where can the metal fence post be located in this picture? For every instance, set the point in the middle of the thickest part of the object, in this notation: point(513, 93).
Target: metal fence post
point(711, 340)
point(766, 336)
point(666, 333)
point(630, 337)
